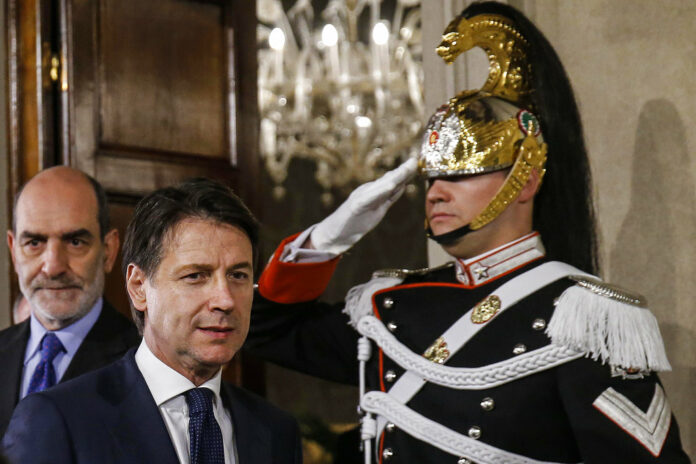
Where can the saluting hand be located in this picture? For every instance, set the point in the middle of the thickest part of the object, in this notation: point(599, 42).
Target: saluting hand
point(362, 210)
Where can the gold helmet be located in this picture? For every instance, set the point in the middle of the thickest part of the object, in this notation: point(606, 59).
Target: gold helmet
point(492, 128)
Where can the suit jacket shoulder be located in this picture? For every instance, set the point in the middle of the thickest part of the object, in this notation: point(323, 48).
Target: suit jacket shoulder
point(102, 416)
point(109, 416)
point(108, 340)
point(13, 334)
point(13, 342)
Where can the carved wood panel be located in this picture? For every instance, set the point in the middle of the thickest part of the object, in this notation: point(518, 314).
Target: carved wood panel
point(156, 92)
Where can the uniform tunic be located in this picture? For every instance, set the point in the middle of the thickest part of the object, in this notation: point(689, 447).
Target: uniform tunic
point(547, 416)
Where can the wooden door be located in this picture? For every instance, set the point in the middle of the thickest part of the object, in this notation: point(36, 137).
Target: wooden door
point(138, 94)
point(157, 91)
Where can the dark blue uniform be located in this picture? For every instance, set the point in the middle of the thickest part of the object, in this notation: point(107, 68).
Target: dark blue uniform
point(549, 416)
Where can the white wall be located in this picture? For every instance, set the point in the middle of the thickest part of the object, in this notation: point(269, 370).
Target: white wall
point(632, 66)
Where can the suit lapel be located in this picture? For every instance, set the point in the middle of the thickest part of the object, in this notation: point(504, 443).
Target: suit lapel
point(139, 429)
point(101, 345)
point(12, 355)
point(252, 437)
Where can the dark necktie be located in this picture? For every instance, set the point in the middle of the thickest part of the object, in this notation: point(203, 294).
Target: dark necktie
point(45, 375)
point(205, 436)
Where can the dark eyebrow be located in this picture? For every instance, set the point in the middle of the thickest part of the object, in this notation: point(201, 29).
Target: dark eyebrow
point(79, 233)
point(207, 268)
point(32, 236)
point(242, 265)
point(195, 268)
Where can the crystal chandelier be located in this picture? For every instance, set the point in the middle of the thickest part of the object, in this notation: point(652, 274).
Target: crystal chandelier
point(345, 93)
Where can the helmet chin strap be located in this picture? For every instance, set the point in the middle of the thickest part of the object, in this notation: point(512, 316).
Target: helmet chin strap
point(448, 238)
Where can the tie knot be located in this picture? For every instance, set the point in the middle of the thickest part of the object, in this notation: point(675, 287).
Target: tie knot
point(200, 400)
point(50, 347)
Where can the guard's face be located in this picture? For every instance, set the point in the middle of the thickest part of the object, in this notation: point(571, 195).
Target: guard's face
point(198, 302)
point(453, 202)
point(57, 253)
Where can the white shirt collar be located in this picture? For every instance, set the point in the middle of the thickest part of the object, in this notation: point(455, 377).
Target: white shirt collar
point(71, 336)
point(164, 382)
point(495, 263)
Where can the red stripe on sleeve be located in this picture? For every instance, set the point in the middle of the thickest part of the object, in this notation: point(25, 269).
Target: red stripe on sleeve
point(295, 282)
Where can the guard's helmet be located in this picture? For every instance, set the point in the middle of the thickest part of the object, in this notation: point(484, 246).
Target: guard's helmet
point(524, 110)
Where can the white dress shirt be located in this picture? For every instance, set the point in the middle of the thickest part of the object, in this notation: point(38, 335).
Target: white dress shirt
point(168, 389)
point(71, 337)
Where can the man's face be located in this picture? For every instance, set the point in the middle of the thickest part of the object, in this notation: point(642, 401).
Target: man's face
point(56, 249)
point(197, 303)
point(451, 203)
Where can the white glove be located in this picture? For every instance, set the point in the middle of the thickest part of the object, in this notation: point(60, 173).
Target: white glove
point(362, 210)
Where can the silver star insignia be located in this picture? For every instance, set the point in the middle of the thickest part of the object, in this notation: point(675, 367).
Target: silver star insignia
point(481, 272)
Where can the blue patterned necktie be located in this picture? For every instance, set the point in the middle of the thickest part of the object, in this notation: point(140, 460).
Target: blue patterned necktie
point(45, 375)
point(205, 436)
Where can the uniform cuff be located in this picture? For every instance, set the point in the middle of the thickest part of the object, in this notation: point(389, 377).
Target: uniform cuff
point(294, 253)
point(285, 282)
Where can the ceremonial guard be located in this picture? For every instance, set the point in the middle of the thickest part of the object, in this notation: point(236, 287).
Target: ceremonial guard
point(515, 352)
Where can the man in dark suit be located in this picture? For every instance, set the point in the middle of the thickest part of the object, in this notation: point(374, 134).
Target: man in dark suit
point(188, 259)
point(62, 246)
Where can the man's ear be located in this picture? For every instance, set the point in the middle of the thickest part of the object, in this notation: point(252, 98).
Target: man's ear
point(10, 245)
point(530, 188)
point(111, 243)
point(135, 285)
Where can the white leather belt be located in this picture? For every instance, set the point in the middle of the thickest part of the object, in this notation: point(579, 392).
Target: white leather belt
point(438, 435)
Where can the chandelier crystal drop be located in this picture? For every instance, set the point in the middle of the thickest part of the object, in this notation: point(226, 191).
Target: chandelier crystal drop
point(346, 98)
